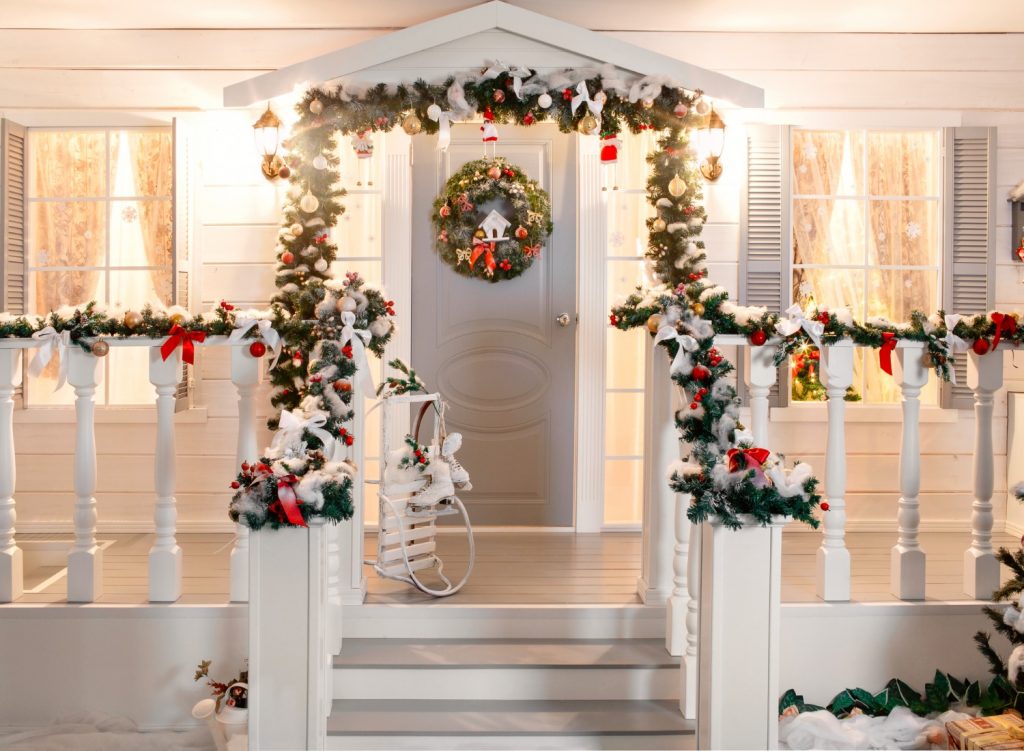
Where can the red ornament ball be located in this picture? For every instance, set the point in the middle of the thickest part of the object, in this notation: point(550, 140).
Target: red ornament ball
point(288, 258)
point(499, 96)
point(824, 506)
point(701, 373)
point(235, 485)
point(529, 119)
point(257, 349)
point(694, 405)
point(284, 172)
point(758, 337)
point(980, 346)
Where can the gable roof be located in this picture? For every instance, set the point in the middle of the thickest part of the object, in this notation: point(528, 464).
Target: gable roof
point(492, 15)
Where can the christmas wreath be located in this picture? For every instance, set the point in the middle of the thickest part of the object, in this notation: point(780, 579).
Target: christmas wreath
point(491, 220)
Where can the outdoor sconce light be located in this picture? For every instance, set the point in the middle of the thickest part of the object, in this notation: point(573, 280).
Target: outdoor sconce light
point(712, 140)
point(267, 131)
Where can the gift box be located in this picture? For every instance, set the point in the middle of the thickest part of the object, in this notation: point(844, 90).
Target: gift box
point(998, 731)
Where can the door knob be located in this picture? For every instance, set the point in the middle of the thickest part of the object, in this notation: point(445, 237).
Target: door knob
point(563, 320)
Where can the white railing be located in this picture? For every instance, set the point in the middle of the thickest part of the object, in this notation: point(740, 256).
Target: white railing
point(908, 560)
point(85, 559)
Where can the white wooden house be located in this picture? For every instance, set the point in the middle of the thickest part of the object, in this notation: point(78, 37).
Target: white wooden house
point(129, 174)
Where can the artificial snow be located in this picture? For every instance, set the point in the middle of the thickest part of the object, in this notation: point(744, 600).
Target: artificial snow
point(100, 732)
point(901, 729)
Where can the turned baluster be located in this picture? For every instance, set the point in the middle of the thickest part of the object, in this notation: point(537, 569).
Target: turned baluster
point(689, 666)
point(907, 560)
point(165, 555)
point(246, 374)
point(833, 557)
point(11, 563)
point(760, 375)
point(85, 561)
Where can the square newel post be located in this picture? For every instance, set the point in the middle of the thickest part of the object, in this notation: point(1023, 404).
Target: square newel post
point(246, 374)
point(165, 555)
point(907, 560)
point(740, 613)
point(833, 557)
point(85, 561)
point(288, 670)
point(12, 579)
point(760, 375)
point(981, 569)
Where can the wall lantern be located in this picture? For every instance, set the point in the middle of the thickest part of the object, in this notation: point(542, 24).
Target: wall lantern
point(711, 141)
point(267, 131)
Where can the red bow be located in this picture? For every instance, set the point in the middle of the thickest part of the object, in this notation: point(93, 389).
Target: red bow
point(885, 353)
point(289, 501)
point(1005, 324)
point(741, 459)
point(487, 251)
point(180, 337)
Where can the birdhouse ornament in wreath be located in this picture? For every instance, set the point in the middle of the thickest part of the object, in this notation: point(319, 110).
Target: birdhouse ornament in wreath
point(503, 242)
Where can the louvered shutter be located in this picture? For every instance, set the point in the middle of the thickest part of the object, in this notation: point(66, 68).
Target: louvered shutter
point(969, 236)
point(765, 222)
point(183, 211)
point(13, 288)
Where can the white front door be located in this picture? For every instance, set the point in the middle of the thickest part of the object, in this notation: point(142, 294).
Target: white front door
point(497, 352)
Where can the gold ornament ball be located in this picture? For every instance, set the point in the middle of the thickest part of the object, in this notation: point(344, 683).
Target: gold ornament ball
point(132, 319)
point(480, 233)
point(654, 323)
point(309, 203)
point(316, 106)
point(176, 318)
point(295, 229)
point(587, 125)
point(697, 308)
point(647, 103)
point(658, 225)
point(100, 348)
point(412, 124)
point(677, 186)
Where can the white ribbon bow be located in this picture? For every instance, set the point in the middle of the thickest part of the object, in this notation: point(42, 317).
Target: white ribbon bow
point(357, 339)
point(954, 343)
point(582, 95)
point(681, 363)
point(444, 129)
point(53, 343)
point(517, 72)
point(294, 423)
point(796, 320)
point(267, 333)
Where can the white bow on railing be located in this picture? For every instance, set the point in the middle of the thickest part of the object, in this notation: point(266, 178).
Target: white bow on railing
point(444, 125)
point(53, 343)
point(267, 333)
point(954, 343)
point(294, 423)
point(357, 339)
point(682, 362)
point(796, 320)
point(583, 96)
point(517, 72)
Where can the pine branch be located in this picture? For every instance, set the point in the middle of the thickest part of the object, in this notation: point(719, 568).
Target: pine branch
point(996, 664)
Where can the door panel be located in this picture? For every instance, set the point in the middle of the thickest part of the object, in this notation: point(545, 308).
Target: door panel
point(495, 351)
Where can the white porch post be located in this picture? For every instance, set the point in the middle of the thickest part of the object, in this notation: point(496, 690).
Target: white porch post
point(85, 561)
point(676, 630)
point(246, 374)
point(981, 569)
point(662, 448)
point(165, 555)
point(833, 557)
point(907, 560)
point(689, 666)
point(350, 548)
point(12, 580)
point(760, 375)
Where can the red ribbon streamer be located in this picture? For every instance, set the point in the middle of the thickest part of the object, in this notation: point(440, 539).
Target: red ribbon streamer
point(885, 353)
point(740, 459)
point(289, 501)
point(180, 337)
point(487, 251)
point(1005, 324)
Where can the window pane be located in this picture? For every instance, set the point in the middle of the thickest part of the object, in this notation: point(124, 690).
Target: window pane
point(624, 424)
point(142, 163)
point(141, 233)
point(369, 270)
point(361, 173)
point(133, 289)
point(49, 290)
point(627, 228)
point(40, 391)
point(625, 358)
point(827, 231)
point(895, 294)
point(623, 278)
point(904, 233)
point(904, 163)
point(127, 369)
point(66, 164)
point(630, 171)
point(67, 233)
point(832, 287)
point(623, 490)
point(828, 163)
point(358, 231)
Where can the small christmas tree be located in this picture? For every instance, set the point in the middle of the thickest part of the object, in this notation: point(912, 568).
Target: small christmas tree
point(1008, 683)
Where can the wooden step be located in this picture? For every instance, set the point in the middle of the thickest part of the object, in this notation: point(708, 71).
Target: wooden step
point(437, 724)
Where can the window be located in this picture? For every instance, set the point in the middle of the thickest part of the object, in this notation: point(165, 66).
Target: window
point(866, 217)
point(100, 221)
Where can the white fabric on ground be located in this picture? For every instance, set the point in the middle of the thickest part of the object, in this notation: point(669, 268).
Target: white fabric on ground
point(100, 732)
point(902, 729)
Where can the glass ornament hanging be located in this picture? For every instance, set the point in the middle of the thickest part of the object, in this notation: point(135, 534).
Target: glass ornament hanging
point(677, 186)
point(309, 203)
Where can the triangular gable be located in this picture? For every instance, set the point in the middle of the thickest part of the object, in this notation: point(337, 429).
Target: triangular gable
point(487, 17)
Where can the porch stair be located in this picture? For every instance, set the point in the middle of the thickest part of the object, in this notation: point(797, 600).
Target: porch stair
point(506, 694)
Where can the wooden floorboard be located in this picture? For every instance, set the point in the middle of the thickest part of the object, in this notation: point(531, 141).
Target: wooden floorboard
point(512, 568)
